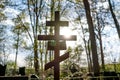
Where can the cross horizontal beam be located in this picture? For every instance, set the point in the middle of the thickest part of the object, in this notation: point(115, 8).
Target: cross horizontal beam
point(52, 37)
point(52, 63)
point(55, 23)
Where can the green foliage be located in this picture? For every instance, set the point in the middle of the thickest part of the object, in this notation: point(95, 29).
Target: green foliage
point(29, 71)
point(2, 6)
point(112, 67)
point(10, 64)
point(29, 61)
point(2, 16)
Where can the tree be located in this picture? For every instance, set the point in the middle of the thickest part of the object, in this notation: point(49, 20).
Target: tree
point(19, 29)
point(114, 18)
point(98, 15)
point(10, 66)
point(3, 55)
point(92, 38)
point(2, 6)
point(36, 14)
point(3, 17)
point(29, 61)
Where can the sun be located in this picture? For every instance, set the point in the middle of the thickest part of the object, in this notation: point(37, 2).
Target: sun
point(67, 32)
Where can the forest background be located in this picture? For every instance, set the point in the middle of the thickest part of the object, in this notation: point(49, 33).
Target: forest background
point(21, 21)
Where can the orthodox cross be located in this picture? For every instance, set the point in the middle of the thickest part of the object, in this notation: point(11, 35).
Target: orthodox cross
point(56, 37)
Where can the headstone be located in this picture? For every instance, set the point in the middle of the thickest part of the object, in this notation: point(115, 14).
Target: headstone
point(22, 71)
point(2, 70)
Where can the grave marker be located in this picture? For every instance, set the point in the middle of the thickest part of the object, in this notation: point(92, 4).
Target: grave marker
point(56, 37)
point(2, 70)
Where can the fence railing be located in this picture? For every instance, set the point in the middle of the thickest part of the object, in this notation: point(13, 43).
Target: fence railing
point(64, 78)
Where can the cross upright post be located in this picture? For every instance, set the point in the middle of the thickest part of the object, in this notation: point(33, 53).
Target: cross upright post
point(57, 37)
point(56, 56)
point(57, 23)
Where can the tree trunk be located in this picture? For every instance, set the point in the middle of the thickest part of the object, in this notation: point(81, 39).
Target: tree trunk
point(87, 51)
point(34, 21)
point(92, 38)
point(36, 62)
point(115, 19)
point(17, 46)
point(100, 41)
point(101, 50)
point(90, 58)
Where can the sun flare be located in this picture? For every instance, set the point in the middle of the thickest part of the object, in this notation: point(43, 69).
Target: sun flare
point(66, 32)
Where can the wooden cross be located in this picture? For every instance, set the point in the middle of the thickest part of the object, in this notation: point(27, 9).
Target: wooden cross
point(57, 37)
